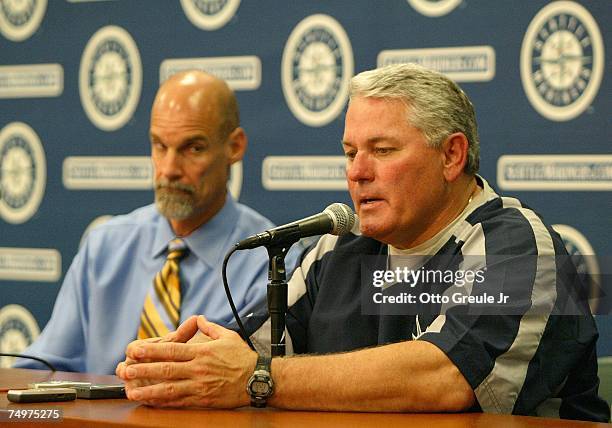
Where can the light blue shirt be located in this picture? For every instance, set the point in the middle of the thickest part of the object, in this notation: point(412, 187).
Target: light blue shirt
point(97, 311)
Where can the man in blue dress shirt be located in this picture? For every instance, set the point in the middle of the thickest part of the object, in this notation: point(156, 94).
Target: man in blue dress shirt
point(195, 138)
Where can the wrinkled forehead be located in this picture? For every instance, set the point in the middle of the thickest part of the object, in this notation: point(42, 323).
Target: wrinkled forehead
point(372, 110)
point(194, 99)
point(175, 105)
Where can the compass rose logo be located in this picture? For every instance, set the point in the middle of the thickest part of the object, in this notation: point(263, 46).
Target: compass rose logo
point(583, 256)
point(18, 329)
point(562, 60)
point(110, 78)
point(317, 65)
point(434, 8)
point(316, 68)
point(210, 14)
point(23, 172)
point(19, 19)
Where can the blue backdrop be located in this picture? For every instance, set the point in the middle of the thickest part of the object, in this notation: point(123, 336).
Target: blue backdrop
point(77, 78)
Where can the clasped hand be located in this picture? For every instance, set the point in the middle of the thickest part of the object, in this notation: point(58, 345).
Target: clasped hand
point(186, 369)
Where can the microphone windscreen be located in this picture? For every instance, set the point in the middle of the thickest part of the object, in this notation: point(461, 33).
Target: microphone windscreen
point(342, 216)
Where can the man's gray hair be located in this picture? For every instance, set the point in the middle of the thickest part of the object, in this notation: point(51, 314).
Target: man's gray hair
point(436, 105)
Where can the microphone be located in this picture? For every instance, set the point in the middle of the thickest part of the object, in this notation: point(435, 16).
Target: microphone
point(337, 219)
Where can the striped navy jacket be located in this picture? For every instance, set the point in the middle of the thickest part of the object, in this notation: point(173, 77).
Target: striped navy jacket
point(533, 356)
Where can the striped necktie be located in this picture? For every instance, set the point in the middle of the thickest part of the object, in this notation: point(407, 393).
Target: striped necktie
point(161, 312)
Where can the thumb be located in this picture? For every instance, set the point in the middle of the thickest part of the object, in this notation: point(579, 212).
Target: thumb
point(212, 330)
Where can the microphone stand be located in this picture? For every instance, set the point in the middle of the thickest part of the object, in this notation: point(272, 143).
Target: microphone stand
point(277, 288)
point(277, 298)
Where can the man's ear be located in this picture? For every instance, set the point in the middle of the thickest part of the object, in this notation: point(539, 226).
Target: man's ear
point(455, 154)
point(236, 145)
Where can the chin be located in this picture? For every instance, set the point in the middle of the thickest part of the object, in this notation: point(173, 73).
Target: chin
point(376, 228)
point(369, 230)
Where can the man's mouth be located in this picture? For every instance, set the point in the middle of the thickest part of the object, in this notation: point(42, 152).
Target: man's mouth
point(173, 187)
point(175, 190)
point(369, 201)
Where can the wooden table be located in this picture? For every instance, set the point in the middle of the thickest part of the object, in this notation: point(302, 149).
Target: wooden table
point(97, 413)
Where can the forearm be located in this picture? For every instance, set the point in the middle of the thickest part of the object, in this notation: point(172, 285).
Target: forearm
point(413, 376)
point(62, 341)
point(409, 376)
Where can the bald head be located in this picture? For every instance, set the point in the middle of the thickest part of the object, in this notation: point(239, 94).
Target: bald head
point(201, 96)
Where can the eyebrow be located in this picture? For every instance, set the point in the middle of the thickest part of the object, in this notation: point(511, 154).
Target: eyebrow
point(372, 140)
point(188, 140)
point(194, 138)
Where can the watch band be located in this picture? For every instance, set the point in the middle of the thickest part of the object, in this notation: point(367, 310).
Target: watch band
point(260, 385)
point(263, 363)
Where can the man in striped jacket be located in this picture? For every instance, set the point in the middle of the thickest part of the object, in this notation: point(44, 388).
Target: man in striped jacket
point(446, 296)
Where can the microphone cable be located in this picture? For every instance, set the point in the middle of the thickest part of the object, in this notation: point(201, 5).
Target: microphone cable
point(243, 332)
point(45, 362)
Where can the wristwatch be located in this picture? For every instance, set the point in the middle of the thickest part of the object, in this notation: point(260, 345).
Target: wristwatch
point(261, 386)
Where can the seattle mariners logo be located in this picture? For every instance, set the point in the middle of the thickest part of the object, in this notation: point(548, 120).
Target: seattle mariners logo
point(110, 78)
point(19, 19)
point(433, 8)
point(562, 60)
point(583, 256)
point(18, 329)
point(210, 14)
point(316, 67)
point(23, 172)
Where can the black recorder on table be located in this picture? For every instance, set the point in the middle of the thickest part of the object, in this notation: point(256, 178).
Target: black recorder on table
point(96, 391)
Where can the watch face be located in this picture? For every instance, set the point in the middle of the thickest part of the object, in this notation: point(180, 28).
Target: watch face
point(259, 387)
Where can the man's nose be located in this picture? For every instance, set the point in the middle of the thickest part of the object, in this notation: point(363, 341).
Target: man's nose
point(360, 168)
point(171, 165)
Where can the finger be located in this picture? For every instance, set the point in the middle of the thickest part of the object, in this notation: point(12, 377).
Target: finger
point(136, 343)
point(119, 370)
point(186, 330)
point(168, 351)
point(161, 392)
point(137, 383)
point(199, 337)
point(161, 370)
point(168, 404)
point(214, 331)
point(129, 361)
point(153, 339)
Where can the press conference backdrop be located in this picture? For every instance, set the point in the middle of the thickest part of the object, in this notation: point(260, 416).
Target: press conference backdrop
point(77, 78)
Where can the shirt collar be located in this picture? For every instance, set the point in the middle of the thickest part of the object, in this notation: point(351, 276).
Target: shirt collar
point(206, 241)
point(433, 244)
